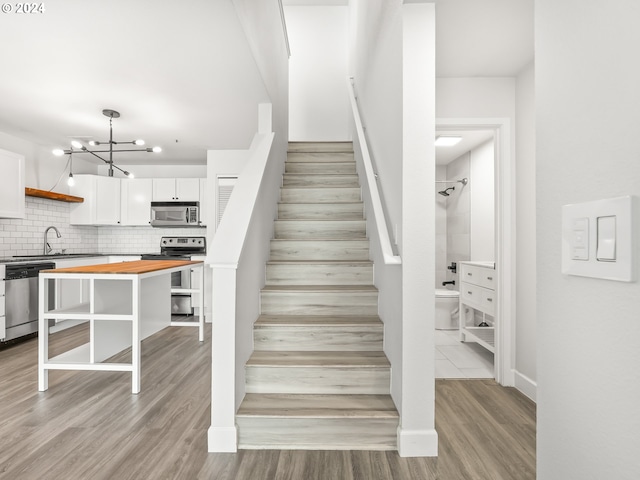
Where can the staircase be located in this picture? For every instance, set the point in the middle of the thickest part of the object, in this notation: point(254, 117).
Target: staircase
point(318, 378)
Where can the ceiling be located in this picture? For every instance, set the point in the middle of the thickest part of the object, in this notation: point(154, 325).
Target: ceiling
point(470, 140)
point(146, 60)
point(483, 38)
point(159, 64)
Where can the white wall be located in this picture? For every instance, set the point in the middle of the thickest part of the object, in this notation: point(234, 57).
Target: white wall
point(43, 170)
point(587, 144)
point(376, 64)
point(393, 62)
point(526, 240)
point(482, 204)
point(458, 212)
point(318, 102)
point(442, 274)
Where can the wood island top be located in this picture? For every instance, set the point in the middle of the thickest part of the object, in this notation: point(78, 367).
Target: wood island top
point(136, 267)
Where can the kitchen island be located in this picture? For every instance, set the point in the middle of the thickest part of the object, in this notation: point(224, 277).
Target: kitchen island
point(128, 302)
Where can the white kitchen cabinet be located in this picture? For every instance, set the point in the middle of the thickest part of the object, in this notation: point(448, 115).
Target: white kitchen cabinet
point(12, 185)
point(136, 201)
point(101, 204)
point(178, 189)
point(204, 203)
point(478, 292)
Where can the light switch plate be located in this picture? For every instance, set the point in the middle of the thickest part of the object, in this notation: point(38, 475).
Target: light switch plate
point(598, 239)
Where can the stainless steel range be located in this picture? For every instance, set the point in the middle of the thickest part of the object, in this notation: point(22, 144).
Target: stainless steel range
point(180, 248)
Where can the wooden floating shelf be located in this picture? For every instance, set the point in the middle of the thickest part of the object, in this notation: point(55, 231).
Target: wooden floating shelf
point(61, 197)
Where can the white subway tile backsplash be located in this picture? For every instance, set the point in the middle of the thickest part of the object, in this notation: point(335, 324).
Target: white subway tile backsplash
point(26, 236)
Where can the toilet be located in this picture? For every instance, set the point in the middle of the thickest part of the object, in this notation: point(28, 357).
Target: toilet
point(447, 309)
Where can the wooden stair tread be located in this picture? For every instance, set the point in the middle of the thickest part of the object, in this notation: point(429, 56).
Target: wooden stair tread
point(320, 288)
point(317, 406)
point(320, 262)
point(317, 320)
point(267, 358)
point(316, 147)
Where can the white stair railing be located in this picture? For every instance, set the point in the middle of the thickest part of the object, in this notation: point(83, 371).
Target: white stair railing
point(390, 258)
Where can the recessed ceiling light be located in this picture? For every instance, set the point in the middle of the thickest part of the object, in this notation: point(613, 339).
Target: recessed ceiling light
point(447, 140)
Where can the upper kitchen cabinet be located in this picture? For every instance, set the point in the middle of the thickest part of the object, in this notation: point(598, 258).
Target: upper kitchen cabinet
point(11, 185)
point(101, 204)
point(204, 203)
point(176, 189)
point(136, 201)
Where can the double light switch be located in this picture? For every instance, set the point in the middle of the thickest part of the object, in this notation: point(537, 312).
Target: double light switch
point(597, 239)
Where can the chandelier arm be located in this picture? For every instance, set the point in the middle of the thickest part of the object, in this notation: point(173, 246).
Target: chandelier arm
point(106, 151)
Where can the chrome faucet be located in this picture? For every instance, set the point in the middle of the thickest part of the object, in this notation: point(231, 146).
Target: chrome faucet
point(47, 248)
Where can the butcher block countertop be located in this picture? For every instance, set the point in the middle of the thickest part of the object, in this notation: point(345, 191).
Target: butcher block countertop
point(136, 267)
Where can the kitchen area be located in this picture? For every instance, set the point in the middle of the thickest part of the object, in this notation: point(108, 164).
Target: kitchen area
point(118, 220)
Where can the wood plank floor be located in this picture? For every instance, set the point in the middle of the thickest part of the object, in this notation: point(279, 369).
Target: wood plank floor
point(88, 425)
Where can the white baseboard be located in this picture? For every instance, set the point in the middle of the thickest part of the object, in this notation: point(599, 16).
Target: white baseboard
point(417, 443)
point(525, 385)
point(223, 439)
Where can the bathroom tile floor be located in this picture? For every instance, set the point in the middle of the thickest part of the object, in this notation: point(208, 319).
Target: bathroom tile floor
point(455, 359)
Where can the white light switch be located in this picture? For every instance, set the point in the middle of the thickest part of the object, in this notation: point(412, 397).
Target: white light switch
point(606, 239)
point(598, 239)
point(580, 244)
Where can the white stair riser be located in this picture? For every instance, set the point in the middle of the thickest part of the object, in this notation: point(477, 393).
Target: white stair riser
point(318, 229)
point(318, 433)
point(320, 338)
point(320, 147)
point(318, 380)
point(322, 274)
point(317, 180)
point(320, 211)
point(320, 195)
point(319, 303)
point(320, 250)
point(332, 167)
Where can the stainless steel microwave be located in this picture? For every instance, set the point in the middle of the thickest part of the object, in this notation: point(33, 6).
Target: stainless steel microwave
point(175, 214)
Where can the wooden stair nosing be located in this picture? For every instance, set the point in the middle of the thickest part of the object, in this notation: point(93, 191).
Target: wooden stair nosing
point(317, 406)
point(318, 320)
point(319, 359)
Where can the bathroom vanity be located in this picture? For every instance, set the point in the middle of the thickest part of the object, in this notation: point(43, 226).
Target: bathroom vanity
point(478, 303)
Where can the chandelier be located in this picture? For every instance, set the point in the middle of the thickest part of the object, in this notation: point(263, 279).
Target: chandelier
point(77, 147)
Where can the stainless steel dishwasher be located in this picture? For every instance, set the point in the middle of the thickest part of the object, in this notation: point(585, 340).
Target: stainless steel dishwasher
point(21, 297)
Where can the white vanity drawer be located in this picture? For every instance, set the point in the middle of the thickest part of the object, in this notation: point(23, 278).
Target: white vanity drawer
point(482, 276)
point(471, 293)
point(489, 301)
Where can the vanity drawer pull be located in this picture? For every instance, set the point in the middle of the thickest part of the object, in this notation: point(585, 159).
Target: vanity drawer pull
point(469, 292)
point(489, 299)
point(489, 278)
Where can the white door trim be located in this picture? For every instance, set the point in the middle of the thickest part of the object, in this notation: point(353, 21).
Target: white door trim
point(505, 235)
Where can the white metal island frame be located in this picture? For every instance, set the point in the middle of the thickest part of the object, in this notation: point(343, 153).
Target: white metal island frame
point(127, 302)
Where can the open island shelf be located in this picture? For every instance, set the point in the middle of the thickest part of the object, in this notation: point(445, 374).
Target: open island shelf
point(128, 302)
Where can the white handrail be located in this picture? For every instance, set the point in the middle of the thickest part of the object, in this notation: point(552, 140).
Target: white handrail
point(284, 28)
point(378, 213)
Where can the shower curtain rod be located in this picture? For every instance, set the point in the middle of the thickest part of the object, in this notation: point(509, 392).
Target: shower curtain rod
point(464, 181)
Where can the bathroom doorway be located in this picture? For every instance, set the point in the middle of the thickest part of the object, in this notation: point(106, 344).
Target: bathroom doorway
point(474, 223)
point(465, 214)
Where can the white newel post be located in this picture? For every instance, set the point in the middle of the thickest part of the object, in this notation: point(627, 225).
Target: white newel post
point(223, 436)
point(417, 435)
